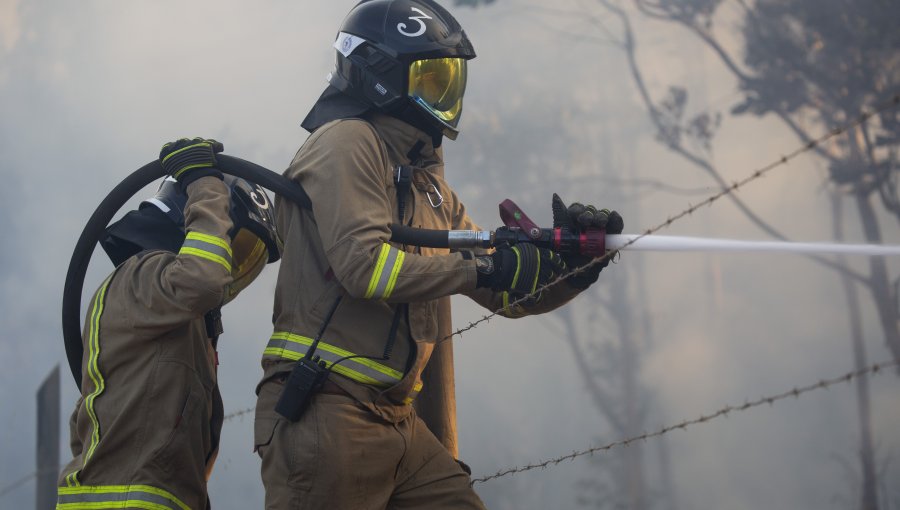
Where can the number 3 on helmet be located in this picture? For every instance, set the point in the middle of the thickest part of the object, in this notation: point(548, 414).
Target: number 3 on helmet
point(395, 54)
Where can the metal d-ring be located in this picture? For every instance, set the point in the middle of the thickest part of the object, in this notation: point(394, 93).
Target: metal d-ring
point(440, 198)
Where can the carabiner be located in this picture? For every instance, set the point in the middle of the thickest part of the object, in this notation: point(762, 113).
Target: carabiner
point(440, 198)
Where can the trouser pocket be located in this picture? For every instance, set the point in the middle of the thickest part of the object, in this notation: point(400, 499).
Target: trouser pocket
point(289, 451)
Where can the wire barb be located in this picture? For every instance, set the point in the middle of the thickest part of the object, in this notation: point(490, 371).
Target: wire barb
point(795, 393)
point(874, 369)
point(237, 414)
point(727, 190)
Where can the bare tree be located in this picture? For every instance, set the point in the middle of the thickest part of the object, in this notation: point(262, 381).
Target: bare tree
point(792, 50)
point(815, 65)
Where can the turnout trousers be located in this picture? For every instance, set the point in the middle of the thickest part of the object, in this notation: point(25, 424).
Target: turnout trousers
point(340, 455)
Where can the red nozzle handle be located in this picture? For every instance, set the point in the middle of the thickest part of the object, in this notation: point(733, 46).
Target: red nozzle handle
point(590, 242)
point(513, 216)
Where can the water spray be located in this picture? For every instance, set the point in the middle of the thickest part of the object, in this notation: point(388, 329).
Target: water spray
point(596, 242)
point(634, 242)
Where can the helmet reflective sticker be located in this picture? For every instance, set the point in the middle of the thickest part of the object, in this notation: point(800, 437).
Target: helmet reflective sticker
point(346, 43)
point(438, 86)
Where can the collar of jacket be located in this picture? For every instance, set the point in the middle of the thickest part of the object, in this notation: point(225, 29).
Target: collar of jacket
point(405, 143)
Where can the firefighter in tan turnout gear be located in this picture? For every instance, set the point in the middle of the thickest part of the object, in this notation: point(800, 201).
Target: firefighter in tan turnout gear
point(145, 431)
point(357, 318)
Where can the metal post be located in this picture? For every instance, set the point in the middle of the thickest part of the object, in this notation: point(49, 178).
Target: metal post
point(48, 412)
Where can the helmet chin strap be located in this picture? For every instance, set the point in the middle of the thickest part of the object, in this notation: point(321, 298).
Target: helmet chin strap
point(414, 117)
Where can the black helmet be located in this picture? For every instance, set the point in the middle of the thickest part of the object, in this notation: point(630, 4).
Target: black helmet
point(402, 55)
point(158, 223)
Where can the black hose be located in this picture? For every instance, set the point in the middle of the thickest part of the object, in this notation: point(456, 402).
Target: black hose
point(122, 193)
point(131, 185)
point(419, 236)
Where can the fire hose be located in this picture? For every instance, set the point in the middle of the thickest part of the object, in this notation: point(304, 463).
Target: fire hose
point(518, 229)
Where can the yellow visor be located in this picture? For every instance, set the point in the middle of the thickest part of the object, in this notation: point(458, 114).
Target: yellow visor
point(438, 85)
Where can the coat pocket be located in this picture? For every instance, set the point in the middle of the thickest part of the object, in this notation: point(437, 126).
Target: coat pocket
point(266, 419)
point(185, 449)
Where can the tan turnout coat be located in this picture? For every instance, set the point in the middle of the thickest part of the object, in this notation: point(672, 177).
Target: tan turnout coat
point(343, 248)
point(146, 428)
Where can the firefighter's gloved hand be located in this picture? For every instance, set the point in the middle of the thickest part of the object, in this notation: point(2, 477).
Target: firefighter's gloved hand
point(188, 159)
point(520, 269)
point(578, 217)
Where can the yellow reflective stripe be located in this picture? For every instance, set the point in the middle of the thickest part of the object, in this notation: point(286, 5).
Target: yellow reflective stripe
point(333, 349)
point(415, 392)
point(187, 250)
point(340, 369)
point(93, 369)
point(353, 374)
point(378, 375)
point(185, 169)
point(515, 279)
point(218, 241)
point(379, 267)
point(179, 151)
point(340, 352)
point(101, 505)
point(536, 274)
point(282, 353)
point(72, 479)
point(99, 496)
point(401, 255)
point(510, 311)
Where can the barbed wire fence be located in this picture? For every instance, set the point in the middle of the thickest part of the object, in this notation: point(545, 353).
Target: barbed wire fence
point(18, 483)
point(725, 411)
point(735, 186)
point(862, 118)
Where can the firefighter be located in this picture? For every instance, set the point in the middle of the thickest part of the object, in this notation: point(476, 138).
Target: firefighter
point(145, 431)
point(367, 315)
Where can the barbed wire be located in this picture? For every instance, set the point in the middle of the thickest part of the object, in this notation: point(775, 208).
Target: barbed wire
point(237, 414)
point(735, 186)
point(18, 483)
point(725, 411)
point(27, 478)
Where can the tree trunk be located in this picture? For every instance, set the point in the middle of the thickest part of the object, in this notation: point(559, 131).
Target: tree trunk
point(885, 300)
point(869, 490)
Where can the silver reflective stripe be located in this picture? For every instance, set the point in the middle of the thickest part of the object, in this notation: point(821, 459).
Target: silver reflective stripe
point(386, 273)
point(207, 247)
point(362, 370)
point(117, 496)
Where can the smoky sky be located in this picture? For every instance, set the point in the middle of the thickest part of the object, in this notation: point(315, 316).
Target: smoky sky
point(90, 90)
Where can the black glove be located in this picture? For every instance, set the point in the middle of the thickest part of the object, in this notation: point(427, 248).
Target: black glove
point(188, 159)
point(578, 217)
point(520, 269)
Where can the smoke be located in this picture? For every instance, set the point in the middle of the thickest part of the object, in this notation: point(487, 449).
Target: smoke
point(90, 90)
